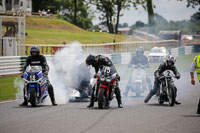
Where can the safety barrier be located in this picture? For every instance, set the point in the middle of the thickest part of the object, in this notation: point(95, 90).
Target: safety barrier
point(14, 64)
point(106, 48)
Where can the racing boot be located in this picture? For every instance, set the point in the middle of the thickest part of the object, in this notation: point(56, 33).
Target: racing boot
point(118, 97)
point(198, 109)
point(51, 94)
point(148, 97)
point(25, 103)
point(91, 103)
point(120, 105)
point(176, 102)
point(119, 102)
point(91, 100)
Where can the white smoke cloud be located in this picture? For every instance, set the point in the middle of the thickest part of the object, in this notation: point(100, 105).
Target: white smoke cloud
point(19, 85)
point(67, 69)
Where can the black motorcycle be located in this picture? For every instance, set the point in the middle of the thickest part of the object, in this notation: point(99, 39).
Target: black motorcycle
point(167, 90)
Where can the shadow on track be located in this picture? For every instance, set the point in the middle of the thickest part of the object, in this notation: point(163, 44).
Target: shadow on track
point(191, 115)
point(38, 106)
point(159, 105)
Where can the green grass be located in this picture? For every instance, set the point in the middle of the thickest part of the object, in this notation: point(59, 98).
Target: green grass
point(57, 31)
point(7, 90)
point(52, 36)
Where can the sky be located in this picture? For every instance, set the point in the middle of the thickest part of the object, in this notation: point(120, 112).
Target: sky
point(169, 9)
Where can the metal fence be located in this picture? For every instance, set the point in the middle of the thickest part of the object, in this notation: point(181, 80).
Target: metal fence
point(10, 65)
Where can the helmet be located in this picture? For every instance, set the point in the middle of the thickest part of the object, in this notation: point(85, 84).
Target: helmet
point(34, 49)
point(90, 60)
point(171, 59)
point(140, 51)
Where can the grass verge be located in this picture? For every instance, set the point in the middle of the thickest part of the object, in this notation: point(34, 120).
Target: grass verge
point(7, 89)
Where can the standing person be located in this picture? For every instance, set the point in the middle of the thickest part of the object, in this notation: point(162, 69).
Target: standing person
point(167, 65)
point(195, 66)
point(39, 60)
point(98, 62)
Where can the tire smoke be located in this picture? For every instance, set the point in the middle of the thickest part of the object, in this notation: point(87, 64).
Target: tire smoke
point(67, 69)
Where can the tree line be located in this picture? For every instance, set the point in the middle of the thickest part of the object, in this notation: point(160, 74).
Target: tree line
point(79, 13)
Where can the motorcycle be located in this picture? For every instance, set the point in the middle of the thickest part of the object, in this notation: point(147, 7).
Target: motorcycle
point(105, 87)
point(36, 85)
point(80, 89)
point(167, 90)
point(138, 82)
point(82, 93)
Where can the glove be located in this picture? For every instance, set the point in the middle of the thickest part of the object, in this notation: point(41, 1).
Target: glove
point(177, 76)
point(192, 81)
point(45, 73)
point(118, 77)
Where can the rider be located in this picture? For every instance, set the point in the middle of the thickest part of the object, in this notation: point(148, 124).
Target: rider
point(39, 60)
point(139, 58)
point(167, 65)
point(98, 62)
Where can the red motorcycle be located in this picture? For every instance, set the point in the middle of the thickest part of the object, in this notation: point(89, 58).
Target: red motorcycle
point(105, 86)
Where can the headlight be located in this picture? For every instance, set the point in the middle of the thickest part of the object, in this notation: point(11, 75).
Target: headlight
point(102, 78)
point(108, 79)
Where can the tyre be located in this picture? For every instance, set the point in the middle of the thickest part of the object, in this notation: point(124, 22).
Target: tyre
point(102, 99)
point(171, 95)
point(137, 90)
point(160, 101)
point(33, 97)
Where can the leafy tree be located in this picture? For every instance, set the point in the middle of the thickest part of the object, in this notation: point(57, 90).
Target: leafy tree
point(111, 9)
point(76, 12)
point(139, 24)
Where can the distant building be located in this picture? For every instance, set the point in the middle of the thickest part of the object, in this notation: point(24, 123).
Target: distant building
point(16, 6)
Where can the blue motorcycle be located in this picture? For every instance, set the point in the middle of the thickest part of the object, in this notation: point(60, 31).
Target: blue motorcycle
point(36, 85)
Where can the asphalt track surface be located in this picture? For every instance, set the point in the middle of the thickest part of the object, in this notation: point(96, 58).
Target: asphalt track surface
point(135, 117)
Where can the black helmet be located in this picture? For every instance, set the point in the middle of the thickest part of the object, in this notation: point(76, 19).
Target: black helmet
point(90, 60)
point(140, 51)
point(171, 59)
point(35, 49)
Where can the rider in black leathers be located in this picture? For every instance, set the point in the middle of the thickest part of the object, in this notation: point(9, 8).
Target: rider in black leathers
point(37, 59)
point(139, 58)
point(98, 62)
point(167, 65)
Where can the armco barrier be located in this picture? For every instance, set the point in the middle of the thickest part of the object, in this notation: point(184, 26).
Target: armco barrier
point(10, 65)
point(106, 48)
point(13, 64)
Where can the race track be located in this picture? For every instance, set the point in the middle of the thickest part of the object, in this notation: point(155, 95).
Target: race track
point(135, 117)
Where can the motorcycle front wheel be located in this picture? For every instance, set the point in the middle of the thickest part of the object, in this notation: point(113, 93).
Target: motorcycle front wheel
point(171, 95)
point(33, 97)
point(102, 99)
